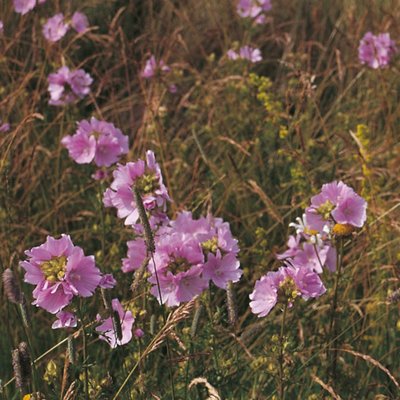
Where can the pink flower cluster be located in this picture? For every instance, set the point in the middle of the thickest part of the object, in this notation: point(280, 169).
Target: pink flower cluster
point(66, 86)
point(336, 211)
point(336, 204)
point(288, 282)
point(57, 26)
point(376, 50)
point(189, 254)
point(96, 140)
point(24, 6)
point(246, 53)
point(61, 271)
point(254, 9)
point(147, 178)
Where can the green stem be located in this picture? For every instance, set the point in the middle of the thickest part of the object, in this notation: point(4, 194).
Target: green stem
point(171, 375)
point(281, 360)
point(333, 324)
point(84, 349)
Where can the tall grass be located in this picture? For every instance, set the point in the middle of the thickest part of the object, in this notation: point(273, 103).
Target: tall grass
point(252, 144)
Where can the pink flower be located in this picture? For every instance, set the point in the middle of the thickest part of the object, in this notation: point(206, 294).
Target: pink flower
point(293, 244)
point(245, 53)
point(253, 9)
point(79, 22)
point(67, 86)
point(222, 269)
point(24, 6)
point(4, 127)
point(182, 287)
point(55, 28)
point(100, 175)
point(107, 281)
point(138, 333)
point(60, 271)
point(1, 27)
point(108, 331)
point(287, 284)
point(311, 256)
point(96, 140)
point(136, 255)
point(376, 51)
point(65, 320)
point(337, 203)
point(153, 67)
point(147, 177)
point(265, 294)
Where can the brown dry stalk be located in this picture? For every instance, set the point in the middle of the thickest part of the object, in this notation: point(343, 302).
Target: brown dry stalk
point(373, 362)
point(70, 392)
point(212, 392)
point(173, 319)
point(328, 388)
point(271, 208)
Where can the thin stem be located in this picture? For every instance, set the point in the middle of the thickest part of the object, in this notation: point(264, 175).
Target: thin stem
point(148, 233)
point(281, 387)
point(84, 349)
point(333, 324)
point(171, 375)
point(187, 369)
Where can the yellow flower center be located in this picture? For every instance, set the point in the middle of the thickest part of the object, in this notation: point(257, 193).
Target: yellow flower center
point(342, 229)
point(54, 269)
point(311, 232)
point(179, 264)
point(147, 183)
point(325, 209)
point(210, 245)
point(287, 291)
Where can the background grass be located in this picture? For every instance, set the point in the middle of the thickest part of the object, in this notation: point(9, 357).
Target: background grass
point(250, 143)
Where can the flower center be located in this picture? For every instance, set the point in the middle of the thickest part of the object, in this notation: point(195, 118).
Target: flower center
point(287, 291)
point(179, 264)
point(147, 183)
point(54, 269)
point(325, 209)
point(311, 232)
point(210, 245)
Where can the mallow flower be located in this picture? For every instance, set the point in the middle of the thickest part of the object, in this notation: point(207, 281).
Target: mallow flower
point(109, 333)
point(24, 6)
point(66, 86)
point(338, 208)
point(147, 178)
point(60, 270)
point(253, 9)
point(58, 25)
point(55, 28)
point(97, 141)
point(65, 319)
point(284, 285)
point(154, 67)
point(376, 50)
point(251, 54)
point(79, 22)
point(189, 254)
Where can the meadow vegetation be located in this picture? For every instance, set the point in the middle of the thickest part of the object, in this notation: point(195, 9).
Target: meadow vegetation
point(250, 141)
